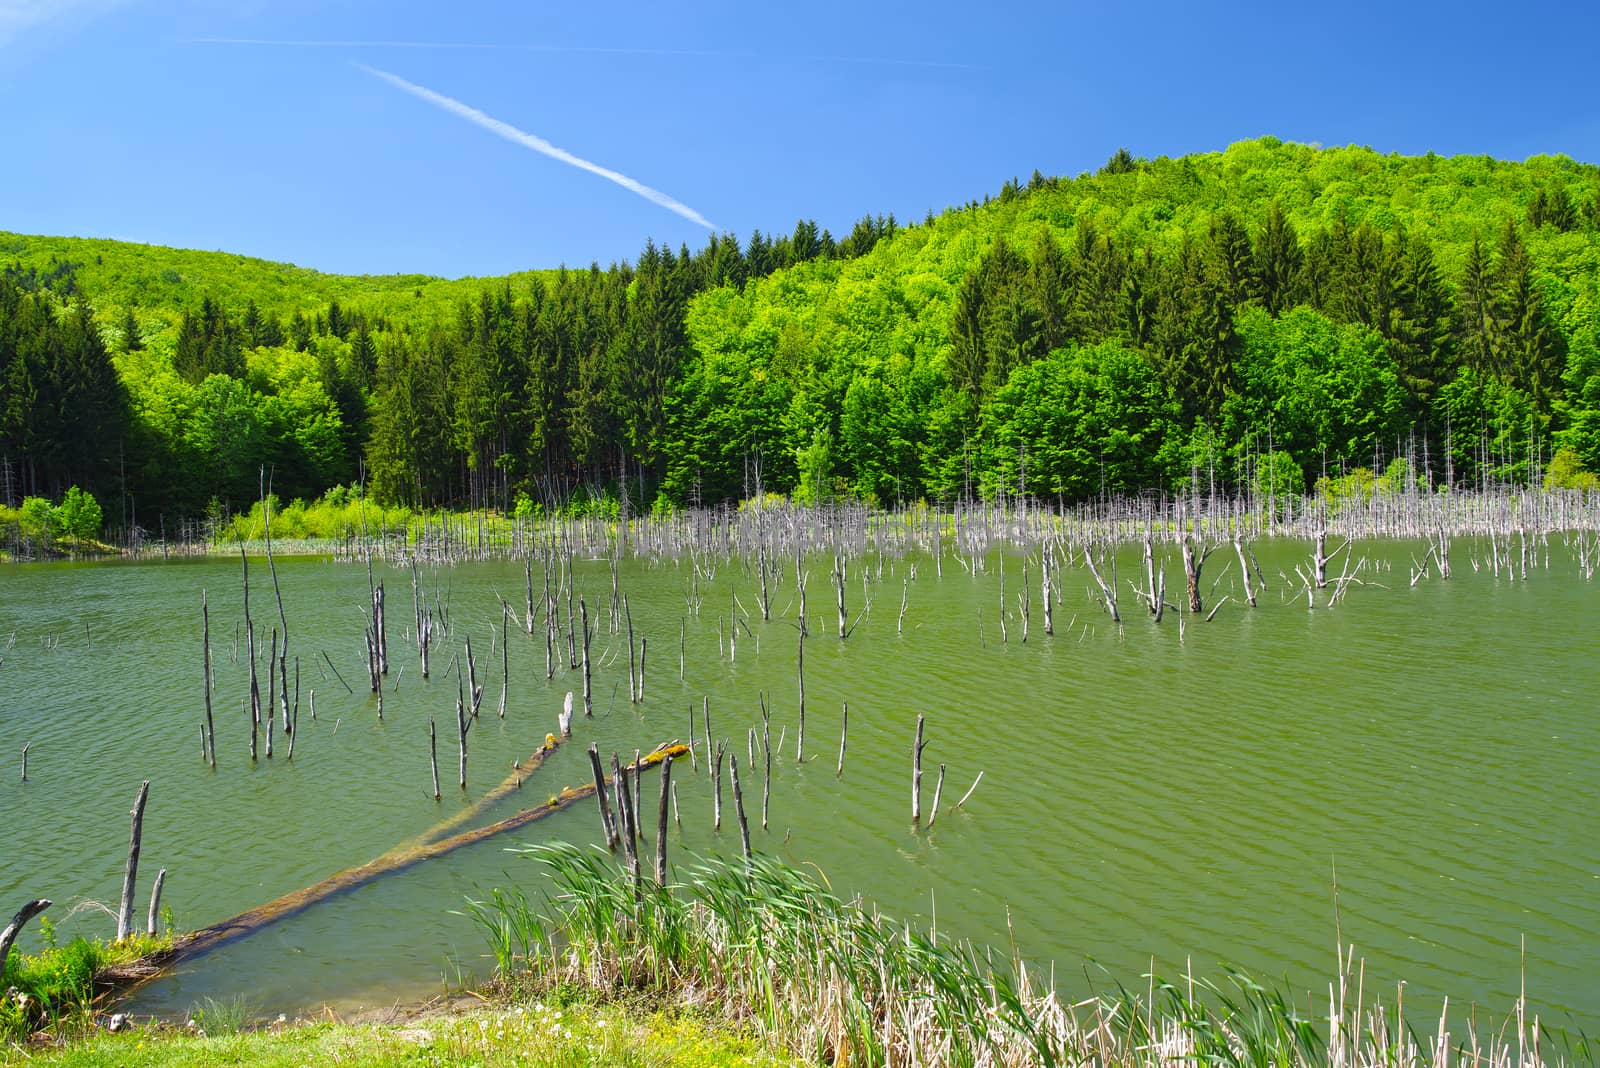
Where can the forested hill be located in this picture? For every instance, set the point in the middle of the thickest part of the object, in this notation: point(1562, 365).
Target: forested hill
point(1326, 308)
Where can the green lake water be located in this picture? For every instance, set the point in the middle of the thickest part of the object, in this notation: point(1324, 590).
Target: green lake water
point(1434, 751)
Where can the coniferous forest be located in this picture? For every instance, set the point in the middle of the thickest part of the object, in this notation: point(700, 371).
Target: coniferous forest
point(1273, 312)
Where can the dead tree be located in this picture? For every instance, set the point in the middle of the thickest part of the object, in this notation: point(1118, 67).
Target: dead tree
point(155, 902)
point(661, 822)
point(14, 928)
point(1195, 552)
point(205, 640)
point(916, 774)
point(607, 824)
point(130, 875)
point(588, 695)
point(1108, 590)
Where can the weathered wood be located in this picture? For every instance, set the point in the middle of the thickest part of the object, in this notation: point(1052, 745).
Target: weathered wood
point(738, 805)
point(838, 581)
point(661, 823)
point(800, 741)
point(938, 789)
point(14, 928)
point(461, 728)
point(588, 695)
point(155, 902)
point(205, 641)
point(916, 774)
point(607, 824)
point(844, 731)
point(292, 726)
point(971, 788)
point(474, 690)
point(130, 875)
point(633, 693)
point(716, 786)
point(433, 756)
point(272, 690)
point(505, 656)
point(401, 858)
point(1244, 571)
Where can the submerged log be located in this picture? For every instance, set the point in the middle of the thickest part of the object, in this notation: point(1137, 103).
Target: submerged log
point(195, 943)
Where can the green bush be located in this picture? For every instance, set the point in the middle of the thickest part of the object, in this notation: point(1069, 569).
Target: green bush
point(38, 519)
point(79, 515)
point(1566, 472)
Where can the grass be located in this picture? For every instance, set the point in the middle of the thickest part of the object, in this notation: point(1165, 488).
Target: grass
point(833, 982)
point(53, 991)
point(536, 1033)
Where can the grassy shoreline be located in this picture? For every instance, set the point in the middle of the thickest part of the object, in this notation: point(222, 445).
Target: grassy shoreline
point(755, 962)
point(466, 1031)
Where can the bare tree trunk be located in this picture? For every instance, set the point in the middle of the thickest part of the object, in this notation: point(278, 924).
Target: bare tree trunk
point(938, 789)
point(14, 928)
point(433, 756)
point(633, 691)
point(131, 875)
point(588, 698)
point(844, 730)
point(205, 638)
point(606, 823)
point(916, 774)
point(661, 822)
point(738, 805)
point(716, 787)
point(155, 903)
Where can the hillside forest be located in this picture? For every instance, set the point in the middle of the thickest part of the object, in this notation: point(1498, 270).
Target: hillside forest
point(1272, 312)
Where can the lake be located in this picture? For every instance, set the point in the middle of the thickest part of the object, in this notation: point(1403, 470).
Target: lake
point(1429, 754)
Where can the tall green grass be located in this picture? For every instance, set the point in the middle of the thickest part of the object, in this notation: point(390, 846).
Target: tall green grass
point(835, 982)
point(55, 990)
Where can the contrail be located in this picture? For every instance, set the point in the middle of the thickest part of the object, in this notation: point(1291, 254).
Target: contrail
point(538, 144)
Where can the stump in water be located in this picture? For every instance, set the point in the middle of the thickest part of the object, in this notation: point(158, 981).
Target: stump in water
point(588, 696)
point(738, 805)
point(661, 823)
point(844, 730)
point(205, 639)
point(1195, 553)
point(916, 774)
point(607, 824)
point(131, 874)
point(155, 902)
point(433, 756)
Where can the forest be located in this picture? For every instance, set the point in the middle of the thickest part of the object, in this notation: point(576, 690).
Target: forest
point(1273, 312)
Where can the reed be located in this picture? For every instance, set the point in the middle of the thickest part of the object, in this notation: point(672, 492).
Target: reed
point(834, 982)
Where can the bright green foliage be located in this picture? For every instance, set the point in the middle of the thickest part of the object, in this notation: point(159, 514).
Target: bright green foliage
point(1276, 475)
point(1454, 303)
point(1316, 389)
point(1080, 423)
point(79, 516)
point(1566, 471)
point(38, 521)
point(56, 986)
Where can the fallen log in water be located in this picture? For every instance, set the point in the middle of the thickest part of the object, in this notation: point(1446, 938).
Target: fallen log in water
point(196, 943)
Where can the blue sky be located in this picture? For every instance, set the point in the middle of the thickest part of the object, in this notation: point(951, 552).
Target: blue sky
point(133, 120)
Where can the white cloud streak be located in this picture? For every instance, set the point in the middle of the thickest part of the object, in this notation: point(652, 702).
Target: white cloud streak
point(538, 144)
